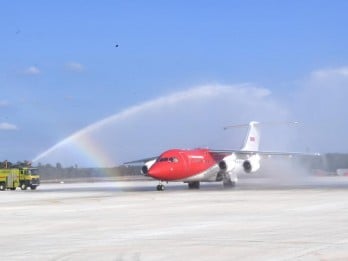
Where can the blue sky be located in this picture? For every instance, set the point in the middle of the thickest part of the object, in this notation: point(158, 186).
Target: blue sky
point(61, 72)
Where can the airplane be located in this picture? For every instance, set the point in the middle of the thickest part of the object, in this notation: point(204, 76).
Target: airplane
point(193, 166)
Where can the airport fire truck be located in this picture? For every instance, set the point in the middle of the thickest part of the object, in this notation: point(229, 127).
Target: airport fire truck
point(23, 177)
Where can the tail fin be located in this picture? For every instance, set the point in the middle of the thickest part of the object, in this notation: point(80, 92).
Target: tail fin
point(252, 139)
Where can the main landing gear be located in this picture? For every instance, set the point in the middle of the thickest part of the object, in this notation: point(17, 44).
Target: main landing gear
point(229, 184)
point(230, 180)
point(193, 185)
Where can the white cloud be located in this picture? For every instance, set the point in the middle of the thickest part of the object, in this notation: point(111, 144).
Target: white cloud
point(330, 73)
point(32, 70)
point(4, 103)
point(321, 104)
point(75, 67)
point(7, 126)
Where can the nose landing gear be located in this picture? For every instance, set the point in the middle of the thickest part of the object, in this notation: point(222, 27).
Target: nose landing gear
point(160, 187)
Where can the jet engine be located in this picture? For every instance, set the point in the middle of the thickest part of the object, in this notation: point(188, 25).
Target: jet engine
point(228, 163)
point(252, 164)
point(147, 166)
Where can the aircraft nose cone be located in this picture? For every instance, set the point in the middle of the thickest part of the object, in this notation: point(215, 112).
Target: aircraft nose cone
point(156, 172)
point(163, 171)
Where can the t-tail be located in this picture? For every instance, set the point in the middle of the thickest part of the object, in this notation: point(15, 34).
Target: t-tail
point(252, 138)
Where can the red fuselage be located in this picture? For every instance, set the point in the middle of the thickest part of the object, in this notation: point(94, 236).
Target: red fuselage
point(177, 164)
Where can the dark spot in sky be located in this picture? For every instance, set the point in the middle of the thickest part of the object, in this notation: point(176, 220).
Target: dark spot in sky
point(116, 45)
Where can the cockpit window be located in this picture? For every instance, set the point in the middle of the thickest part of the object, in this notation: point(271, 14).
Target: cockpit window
point(171, 159)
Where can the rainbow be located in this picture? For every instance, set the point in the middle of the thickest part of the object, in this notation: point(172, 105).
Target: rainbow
point(92, 151)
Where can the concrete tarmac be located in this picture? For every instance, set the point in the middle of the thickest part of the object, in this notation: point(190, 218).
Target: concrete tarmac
point(261, 219)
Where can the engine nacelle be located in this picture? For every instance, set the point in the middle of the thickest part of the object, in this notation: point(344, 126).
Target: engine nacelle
point(252, 164)
point(147, 166)
point(228, 163)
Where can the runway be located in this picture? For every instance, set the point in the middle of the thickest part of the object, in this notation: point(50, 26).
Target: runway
point(261, 219)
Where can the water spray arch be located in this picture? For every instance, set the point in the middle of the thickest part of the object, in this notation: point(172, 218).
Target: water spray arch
point(185, 118)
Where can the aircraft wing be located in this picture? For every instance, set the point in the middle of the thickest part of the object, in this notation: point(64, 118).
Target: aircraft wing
point(264, 154)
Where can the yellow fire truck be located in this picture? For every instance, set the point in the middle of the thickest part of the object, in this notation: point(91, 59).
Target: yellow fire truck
point(24, 178)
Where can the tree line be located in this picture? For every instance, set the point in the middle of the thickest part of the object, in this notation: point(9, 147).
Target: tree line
point(49, 172)
point(58, 172)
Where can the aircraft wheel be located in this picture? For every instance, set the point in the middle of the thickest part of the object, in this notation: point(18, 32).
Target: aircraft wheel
point(193, 185)
point(160, 187)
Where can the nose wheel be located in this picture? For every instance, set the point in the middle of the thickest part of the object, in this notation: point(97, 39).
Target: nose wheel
point(160, 187)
